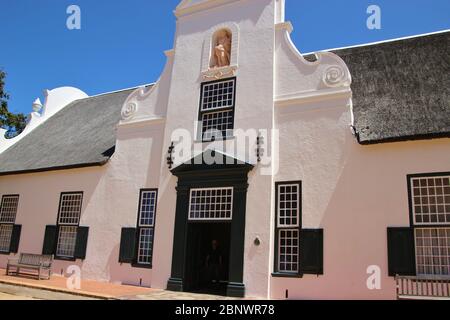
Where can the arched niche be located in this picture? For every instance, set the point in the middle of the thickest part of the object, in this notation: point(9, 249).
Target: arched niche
point(210, 68)
point(220, 52)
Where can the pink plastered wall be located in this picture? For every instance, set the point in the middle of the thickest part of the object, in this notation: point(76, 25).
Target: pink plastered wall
point(353, 192)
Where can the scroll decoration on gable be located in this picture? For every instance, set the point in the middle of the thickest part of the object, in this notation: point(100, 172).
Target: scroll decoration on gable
point(129, 110)
point(336, 76)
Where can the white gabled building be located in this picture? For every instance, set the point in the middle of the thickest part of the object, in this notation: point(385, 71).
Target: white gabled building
point(320, 176)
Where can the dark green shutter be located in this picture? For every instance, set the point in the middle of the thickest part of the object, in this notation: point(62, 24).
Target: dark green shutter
point(15, 239)
point(49, 247)
point(81, 244)
point(401, 252)
point(311, 251)
point(128, 245)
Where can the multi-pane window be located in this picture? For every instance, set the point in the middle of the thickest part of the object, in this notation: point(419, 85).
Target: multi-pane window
point(211, 204)
point(219, 94)
point(68, 223)
point(430, 198)
point(69, 213)
point(288, 226)
point(8, 209)
point(5, 237)
point(67, 239)
point(8, 212)
point(433, 251)
point(288, 250)
point(146, 226)
point(217, 109)
point(288, 205)
point(217, 125)
point(148, 206)
point(145, 246)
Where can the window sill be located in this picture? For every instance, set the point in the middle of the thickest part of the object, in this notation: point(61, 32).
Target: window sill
point(142, 266)
point(4, 253)
point(65, 259)
point(216, 140)
point(286, 275)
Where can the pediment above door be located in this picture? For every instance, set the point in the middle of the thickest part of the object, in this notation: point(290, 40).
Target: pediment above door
point(211, 161)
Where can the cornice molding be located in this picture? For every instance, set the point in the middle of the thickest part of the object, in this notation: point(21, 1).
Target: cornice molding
point(316, 96)
point(285, 26)
point(141, 122)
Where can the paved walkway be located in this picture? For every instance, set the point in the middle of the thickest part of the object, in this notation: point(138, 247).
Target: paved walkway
point(89, 289)
point(10, 292)
point(168, 295)
point(56, 289)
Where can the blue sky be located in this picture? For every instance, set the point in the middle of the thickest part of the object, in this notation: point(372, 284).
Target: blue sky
point(121, 43)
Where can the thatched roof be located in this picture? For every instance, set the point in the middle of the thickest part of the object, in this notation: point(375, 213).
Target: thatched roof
point(80, 135)
point(401, 89)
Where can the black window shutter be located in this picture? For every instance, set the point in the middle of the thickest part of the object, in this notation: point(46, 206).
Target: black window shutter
point(81, 243)
point(128, 245)
point(401, 252)
point(15, 239)
point(311, 251)
point(49, 247)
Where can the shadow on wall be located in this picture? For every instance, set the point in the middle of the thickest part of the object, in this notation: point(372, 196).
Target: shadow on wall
point(61, 267)
point(123, 273)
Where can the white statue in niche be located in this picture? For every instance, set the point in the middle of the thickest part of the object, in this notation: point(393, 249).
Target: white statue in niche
point(222, 49)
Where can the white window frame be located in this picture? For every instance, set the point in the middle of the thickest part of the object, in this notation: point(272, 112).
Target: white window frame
point(295, 270)
point(145, 259)
point(7, 223)
point(429, 255)
point(430, 199)
point(227, 106)
point(434, 261)
point(288, 227)
point(229, 216)
point(279, 224)
point(75, 205)
point(214, 132)
point(211, 134)
point(6, 231)
point(142, 227)
point(65, 227)
point(67, 240)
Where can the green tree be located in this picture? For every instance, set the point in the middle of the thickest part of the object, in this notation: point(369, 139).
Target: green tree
point(13, 123)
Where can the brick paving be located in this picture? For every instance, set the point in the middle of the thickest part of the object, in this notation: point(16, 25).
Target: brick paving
point(92, 289)
point(56, 289)
point(168, 295)
point(12, 292)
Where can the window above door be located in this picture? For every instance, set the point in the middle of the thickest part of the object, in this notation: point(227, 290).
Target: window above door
point(217, 110)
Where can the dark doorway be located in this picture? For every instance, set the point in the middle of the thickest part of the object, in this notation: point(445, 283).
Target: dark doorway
point(205, 272)
point(191, 240)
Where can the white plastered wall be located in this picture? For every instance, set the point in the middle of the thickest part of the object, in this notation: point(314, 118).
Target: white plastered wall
point(111, 192)
point(254, 109)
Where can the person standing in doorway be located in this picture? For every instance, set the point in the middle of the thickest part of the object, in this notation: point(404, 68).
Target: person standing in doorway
point(214, 262)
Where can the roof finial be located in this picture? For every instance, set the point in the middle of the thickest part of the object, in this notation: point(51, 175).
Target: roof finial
point(37, 105)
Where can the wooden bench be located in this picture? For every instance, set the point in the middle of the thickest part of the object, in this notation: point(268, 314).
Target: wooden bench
point(31, 262)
